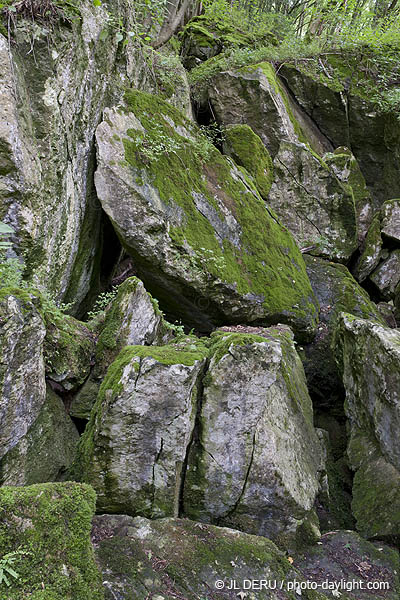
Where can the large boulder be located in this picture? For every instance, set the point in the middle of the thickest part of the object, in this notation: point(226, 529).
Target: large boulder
point(201, 237)
point(313, 203)
point(340, 103)
point(177, 558)
point(45, 541)
point(369, 358)
point(134, 448)
point(46, 451)
point(22, 368)
point(256, 460)
point(337, 291)
point(386, 276)
point(131, 318)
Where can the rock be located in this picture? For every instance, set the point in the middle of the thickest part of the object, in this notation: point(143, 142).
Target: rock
point(349, 116)
point(343, 163)
point(369, 357)
point(68, 350)
point(177, 558)
point(135, 444)
point(202, 239)
point(132, 319)
point(311, 201)
point(48, 526)
point(387, 276)
point(248, 151)
point(256, 97)
point(390, 225)
point(46, 451)
point(371, 251)
point(22, 370)
point(337, 291)
point(255, 464)
point(347, 560)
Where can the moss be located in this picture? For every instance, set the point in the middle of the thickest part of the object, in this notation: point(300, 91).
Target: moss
point(267, 263)
point(221, 342)
point(51, 523)
point(248, 151)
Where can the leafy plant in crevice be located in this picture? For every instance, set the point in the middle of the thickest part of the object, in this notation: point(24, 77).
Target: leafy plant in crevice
point(101, 303)
point(11, 269)
point(6, 566)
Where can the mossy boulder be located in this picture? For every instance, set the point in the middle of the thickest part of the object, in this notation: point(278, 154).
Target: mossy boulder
point(248, 151)
point(132, 318)
point(48, 527)
point(134, 447)
point(357, 567)
point(345, 105)
point(177, 558)
point(369, 357)
point(22, 369)
point(256, 461)
point(313, 203)
point(201, 237)
point(46, 451)
point(337, 291)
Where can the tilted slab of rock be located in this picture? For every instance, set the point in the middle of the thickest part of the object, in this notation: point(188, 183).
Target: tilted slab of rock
point(177, 558)
point(255, 465)
point(46, 451)
point(131, 319)
point(311, 201)
point(387, 276)
point(135, 444)
point(371, 251)
point(22, 369)
point(48, 527)
point(348, 116)
point(202, 239)
point(337, 291)
point(369, 357)
point(390, 225)
point(255, 96)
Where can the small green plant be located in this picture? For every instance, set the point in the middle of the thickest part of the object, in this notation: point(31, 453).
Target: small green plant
point(102, 301)
point(11, 269)
point(6, 568)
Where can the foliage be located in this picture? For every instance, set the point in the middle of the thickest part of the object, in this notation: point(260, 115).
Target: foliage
point(6, 568)
point(102, 301)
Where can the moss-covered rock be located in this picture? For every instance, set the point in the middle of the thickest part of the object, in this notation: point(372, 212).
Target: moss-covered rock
point(255, 462)
point(177, 558)
point(313, 203)
point(48, 527)
point(369, 358)
point(248, 151)
point(371, 251)
point(46, 451)
point(134, 447)
point(337, 291)
point(201, 237)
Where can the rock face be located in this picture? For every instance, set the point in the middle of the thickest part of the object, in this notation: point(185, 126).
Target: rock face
point(255, 465)
point(311, 201)
point(131, 319)
point(134, 448)
point(22, 369)
point(47, 450)
point(337, 291)
point(369, 356)
point(200, 235)
point(390, 216)
point(351, 118)
point(387, 275)
point(48, 526)
point(177, 558)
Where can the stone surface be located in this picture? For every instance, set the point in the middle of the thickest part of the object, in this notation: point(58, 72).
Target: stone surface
point(200, 235)
point(343, 557)
point(48, 526)
point(371, 251)
point(177, 558)
point(131, 319)
point(337, 291)
point(369, 357)
point(255, 464)
point(390, 225)
point(46, 451)
point(386, 276)
point(256, 97)
point(22, 369)
point(135, 444)
point(311, 201)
